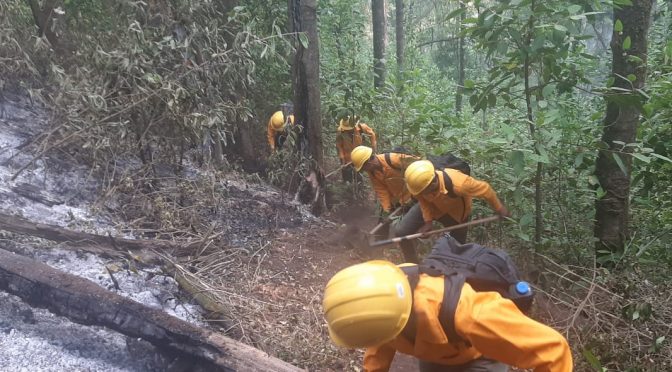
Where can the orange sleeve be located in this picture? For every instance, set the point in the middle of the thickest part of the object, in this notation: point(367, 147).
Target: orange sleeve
point(384, 196)
point(479, 189)
point(402, 161)
point(271, 136)
point(367, 129)
point(379, 359)
point(495, 327)
point(340, 147)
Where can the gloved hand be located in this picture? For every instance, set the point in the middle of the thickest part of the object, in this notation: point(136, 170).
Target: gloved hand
point(503, 212)
point(426, 227)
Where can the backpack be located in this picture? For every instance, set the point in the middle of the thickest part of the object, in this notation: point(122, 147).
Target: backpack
point(485, 269)
point(396, 150)
point(448, 160)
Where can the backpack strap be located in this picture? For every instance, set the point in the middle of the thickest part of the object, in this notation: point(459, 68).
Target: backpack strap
point(448, 182)
point(452, 288)
point(388, 160)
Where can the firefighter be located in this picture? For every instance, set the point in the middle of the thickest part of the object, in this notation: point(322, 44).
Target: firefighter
point(369, 306)
point(443, 195)
point(386, 173)
point(351, 133)
point(277, 126)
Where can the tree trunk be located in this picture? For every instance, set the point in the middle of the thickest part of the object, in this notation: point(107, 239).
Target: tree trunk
point(460, 64)
point(43, 19)
point(379, 28)
point(84, 302)
point(400, 42)
point(306, 84)
point(620, 124)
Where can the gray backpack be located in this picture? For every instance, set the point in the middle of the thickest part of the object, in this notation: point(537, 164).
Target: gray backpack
point(485, 269)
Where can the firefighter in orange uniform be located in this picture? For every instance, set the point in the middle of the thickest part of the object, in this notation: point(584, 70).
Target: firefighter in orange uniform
point(386, 173)
point(351, 133)
point(369, 305)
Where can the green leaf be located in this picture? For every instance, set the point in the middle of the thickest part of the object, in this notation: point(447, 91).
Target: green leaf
point(573, 9)
point(517, 161)
point(592, 360)
point(469, 84)
point(492, 100)
point(635, 59)
point(631, 77)
point(542, 104)
point(619, 161)
point(641, 157)
point(455, 13)
point(618, 26)
point(303, 39)
point(627, 43)
point(647, 110)
point(661, 157)
point(560, 28)
point(623, 2)
point(548, 90)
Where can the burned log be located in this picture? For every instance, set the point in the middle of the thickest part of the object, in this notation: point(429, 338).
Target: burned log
point(84, 302)
point(55, 233)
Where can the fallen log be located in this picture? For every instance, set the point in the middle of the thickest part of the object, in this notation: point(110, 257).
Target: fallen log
point(59, 234)
point(84, 302)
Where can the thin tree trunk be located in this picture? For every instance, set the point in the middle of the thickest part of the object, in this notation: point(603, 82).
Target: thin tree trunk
point(461, 62)
point(620, 124)
point(538, 192)
point(400, 42)
point(379, 29)
point(43, 17)
point(306, 84)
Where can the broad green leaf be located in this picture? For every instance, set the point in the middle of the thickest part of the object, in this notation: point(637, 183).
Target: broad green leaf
point(455, 13)
point(619, 161)
point(560, 28)
point(647, 110)
point(631, 77)
point(618, 26)
point(517, 161)
point(469, 84)
point(573, 9)
point(635, 59)
point(641, 157)
point(627, 43)
point(303, 39)
point(623, 2)
point(661, 157)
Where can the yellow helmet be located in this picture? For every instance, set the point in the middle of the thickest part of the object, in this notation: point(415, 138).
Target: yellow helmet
point(359, 156)
point(418, 176)
point(367, 304)
point(278, 121)
point(347, 123)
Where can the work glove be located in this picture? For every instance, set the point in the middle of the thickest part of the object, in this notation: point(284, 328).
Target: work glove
point(426, 227)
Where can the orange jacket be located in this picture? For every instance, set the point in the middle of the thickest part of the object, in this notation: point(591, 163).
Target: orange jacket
point(271, 132)
point(439, 203)
point(493, 326)
point(388, 183)
point(346, 141)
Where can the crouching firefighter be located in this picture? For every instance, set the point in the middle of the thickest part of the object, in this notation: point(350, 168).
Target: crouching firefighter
point(461, 309)
point(386, 173)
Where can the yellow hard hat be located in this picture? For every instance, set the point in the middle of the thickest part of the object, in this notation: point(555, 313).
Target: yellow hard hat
point(367, 304)
point(346, 124)
point(278, 121)
point(418, 176)
point(359, 156)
